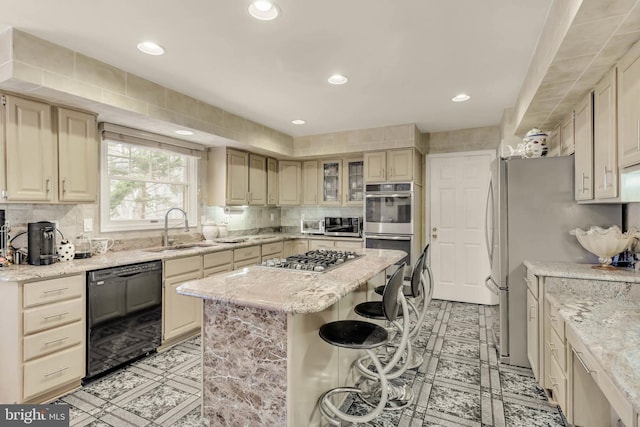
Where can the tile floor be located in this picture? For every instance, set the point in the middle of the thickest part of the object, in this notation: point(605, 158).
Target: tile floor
point(460, 383)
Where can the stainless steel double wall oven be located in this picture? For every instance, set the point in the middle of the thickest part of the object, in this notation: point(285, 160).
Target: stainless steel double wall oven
point(391, 219)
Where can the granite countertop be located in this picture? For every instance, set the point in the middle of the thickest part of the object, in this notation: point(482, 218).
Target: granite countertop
point(23, 273)
point(582, 271)
point(291, 291)
point(606, 318)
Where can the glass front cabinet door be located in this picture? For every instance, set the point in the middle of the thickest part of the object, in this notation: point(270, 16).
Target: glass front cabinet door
point(353, 182)
point(330, 181)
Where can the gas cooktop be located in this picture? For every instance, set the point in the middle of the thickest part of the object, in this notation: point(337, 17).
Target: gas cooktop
point(318, 261)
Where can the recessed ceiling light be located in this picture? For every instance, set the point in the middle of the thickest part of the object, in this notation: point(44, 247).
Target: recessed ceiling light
point(298, 122)
point(150, 48)
point(264, 10)
point(337, 79)
point(461, 97)
point(184, 132)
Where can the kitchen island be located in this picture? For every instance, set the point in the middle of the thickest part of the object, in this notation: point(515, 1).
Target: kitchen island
point(263, 361)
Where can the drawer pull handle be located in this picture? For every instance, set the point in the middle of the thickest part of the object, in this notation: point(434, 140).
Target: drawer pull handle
point(554, 381)
point(59, 340)
point(58, 371)
point(56, 315)
point(51, 291)
point(553, 348)
point(584, 365)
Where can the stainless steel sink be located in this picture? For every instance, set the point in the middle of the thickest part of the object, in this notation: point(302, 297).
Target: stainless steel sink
point(181, 246)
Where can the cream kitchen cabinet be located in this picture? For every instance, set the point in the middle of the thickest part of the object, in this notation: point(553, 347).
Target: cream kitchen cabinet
point(335, 244)
point(290, 183)
point(257, 180)
point(272, 182)
point(30, 150)
point(353, 181)
point(583, 189)
point(392, 165)
point(605, 139)
point(42, 165)
point(294, 247)
point(217, 262)
point(236, 178)
point(553, 142)
point(43, 352)
point(567, 136)
point(310, 182)
point(272, 250)
point(330, 181)
point(629, 108)
point(247, 256)
point(533, 351)
point(77, 156)
point(181, 315)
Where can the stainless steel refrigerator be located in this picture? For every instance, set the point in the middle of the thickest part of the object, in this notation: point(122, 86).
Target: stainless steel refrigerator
point(530, 210)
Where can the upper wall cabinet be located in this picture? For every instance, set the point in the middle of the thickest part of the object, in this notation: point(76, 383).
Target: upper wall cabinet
point(310, 182)
point(629, 108)
point(236, 178)
point(605, 138)
point(353, 182)
point(42, 166)
point(393, 165)
point(330, 182)
point(290, 183)
point(77, 156)
point(272, 182)
point(584, 149)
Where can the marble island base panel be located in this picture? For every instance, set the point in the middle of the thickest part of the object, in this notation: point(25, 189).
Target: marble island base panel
point(250, 389)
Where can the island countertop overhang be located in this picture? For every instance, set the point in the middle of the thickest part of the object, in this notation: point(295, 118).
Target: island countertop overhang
point(291, 291)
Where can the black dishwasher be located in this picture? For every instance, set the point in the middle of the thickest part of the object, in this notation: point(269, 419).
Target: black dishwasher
point(124, 315)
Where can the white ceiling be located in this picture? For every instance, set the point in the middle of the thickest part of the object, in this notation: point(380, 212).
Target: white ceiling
point(405, 58)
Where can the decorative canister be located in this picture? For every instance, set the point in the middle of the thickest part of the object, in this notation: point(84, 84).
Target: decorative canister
point(222, 230)
point(209, 231)
point(535, 144)
point(65, 250)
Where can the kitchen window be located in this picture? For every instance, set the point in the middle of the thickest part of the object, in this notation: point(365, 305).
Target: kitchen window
point(140, 182)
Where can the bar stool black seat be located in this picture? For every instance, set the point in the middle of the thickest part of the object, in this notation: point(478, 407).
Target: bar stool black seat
point(367, 336)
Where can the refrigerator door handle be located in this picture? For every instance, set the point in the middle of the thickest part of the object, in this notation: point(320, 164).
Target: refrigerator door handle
point(491, 285)
point(490, 202)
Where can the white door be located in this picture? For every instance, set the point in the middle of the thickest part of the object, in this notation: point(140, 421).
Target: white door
point(458, 193)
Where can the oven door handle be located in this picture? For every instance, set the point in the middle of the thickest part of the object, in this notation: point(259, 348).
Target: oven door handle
point(398, 195)
point(387, 237)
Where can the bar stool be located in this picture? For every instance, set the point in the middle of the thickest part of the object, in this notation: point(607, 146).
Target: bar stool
point(419, 285)
point(367, 336)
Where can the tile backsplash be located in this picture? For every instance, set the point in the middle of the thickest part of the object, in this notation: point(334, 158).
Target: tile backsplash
point(247, 220)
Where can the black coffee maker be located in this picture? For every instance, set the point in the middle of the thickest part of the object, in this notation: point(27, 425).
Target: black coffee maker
point(42, 243)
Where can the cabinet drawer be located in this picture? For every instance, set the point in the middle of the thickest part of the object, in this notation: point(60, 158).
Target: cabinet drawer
point(341, 244)
point(174, 267)
point(556, 321)
point(272, 256)
point(558, 383)
point(245, 263)
point(320, 244)
point(272, 248)
point(52, 371)
point(246, 253)
point(46, 291)
point(52, 315)
point(557, 348)
point(215, 270)
point(46, 342)
point(617, 400)
point(217, 259)
point(532, 283)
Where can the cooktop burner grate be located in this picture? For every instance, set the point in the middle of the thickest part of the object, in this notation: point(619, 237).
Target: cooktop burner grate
point(317, 261)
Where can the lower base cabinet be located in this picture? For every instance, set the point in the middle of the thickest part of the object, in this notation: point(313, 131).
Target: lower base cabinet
point(181, 315)
point(589, 406)
point(295, 247)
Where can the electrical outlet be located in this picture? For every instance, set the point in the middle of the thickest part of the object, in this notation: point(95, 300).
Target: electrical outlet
point(88, 225)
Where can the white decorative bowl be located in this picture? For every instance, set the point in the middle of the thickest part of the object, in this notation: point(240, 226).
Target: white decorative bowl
point(605, 243)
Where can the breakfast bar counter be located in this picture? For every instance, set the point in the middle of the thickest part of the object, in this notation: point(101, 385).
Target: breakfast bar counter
point(263, 361)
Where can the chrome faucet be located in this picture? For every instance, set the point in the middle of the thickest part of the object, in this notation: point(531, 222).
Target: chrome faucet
point(165, 236)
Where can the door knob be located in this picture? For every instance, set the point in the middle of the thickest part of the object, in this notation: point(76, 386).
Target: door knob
point(434, 236)
point(434, 229)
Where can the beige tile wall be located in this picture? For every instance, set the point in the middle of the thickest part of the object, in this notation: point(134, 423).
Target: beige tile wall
point(42, 69)
point(464, 140)
point(382, 138)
